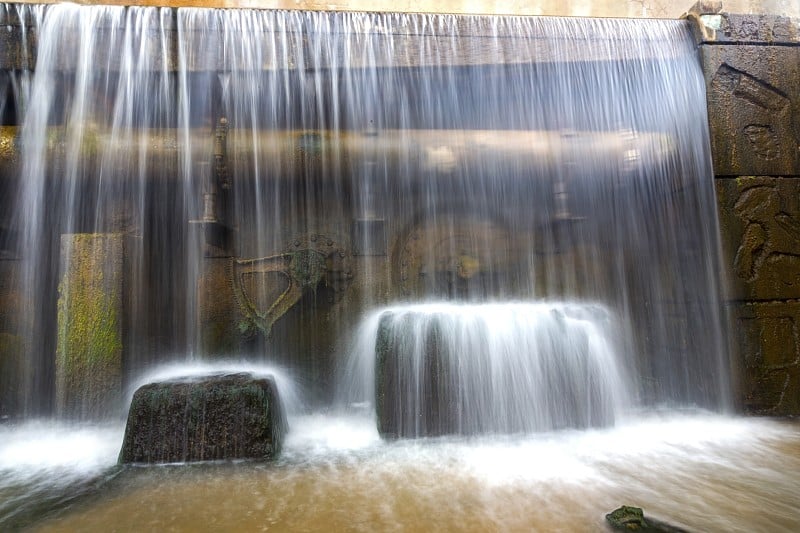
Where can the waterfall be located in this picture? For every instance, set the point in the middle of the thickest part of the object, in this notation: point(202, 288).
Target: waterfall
point(425, 157)
point(492, 368)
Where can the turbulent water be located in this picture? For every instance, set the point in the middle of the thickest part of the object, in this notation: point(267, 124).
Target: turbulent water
point(699, 471)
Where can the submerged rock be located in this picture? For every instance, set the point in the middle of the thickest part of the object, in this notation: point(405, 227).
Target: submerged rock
point(627, 518)
point(231, 416)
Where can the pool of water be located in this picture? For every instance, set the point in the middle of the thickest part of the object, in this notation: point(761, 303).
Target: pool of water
point(701, 471)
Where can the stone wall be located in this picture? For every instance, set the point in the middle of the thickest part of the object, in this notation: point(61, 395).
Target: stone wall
point(752, 69)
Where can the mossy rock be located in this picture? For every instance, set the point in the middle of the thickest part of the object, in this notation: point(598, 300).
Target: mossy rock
point(628, 518)
point(226, 416)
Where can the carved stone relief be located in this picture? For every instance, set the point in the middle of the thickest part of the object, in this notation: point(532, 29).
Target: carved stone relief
point(754, 109)
point(769, 340)
point(760, 219)
point(267, 288)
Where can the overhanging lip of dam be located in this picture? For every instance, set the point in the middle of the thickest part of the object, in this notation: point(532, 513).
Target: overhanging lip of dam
point(407, 40)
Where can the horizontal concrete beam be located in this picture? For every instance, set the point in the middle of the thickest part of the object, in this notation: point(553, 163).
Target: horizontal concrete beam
point(286, 153)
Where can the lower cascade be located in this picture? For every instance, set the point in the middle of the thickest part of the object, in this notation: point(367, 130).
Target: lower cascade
point(447, 368)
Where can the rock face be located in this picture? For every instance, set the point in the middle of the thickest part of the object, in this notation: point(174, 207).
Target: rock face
point(233, 416)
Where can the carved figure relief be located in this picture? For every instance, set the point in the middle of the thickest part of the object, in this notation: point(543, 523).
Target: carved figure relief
point(763, 140)
point(761, 116)
point(771, 236)
point(266, 288)
point(771, 358)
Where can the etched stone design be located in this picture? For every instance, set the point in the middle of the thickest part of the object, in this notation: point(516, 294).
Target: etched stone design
point(771, 361)
point(750, 89)
point(454, 256)
point(771, 236)
point(752, 111)
point(763, 140)
point(267, 288)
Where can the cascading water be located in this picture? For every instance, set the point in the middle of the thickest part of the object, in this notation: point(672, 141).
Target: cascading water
point(523, 205)
point(492, 368)
point(498, 166)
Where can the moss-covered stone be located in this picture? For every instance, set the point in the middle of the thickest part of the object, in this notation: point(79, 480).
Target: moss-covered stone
point(89, 350)
point(627, 518)
point(234, 416)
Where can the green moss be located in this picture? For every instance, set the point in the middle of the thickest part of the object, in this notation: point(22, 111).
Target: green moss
point(89, 326)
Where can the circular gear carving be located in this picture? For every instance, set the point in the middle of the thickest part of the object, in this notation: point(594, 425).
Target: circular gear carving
point(456, 256)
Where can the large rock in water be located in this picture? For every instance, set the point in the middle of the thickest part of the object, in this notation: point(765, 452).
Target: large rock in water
point(230, 416)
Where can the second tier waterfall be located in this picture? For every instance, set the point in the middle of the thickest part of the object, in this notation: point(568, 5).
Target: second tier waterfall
point(492, 368)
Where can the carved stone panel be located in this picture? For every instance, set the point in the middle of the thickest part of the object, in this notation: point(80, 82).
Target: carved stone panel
point(720, 27)
point(769, 341)
point(760, 226)
point(754, 109)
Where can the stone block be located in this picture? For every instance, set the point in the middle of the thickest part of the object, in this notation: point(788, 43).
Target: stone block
point(18, 44)
point(760, 227)
point(219, 321)
point(433, 410)
point(753, 97)
point(90, 325)
point(715, 27)
point(233, 416)
point(769, 365)
point(438, 374)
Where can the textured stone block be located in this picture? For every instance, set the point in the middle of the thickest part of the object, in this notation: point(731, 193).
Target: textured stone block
point(90, 325)
point(218, 316)
point(769, 365)
point(715, 27)
point(754, 109)
point(447, 374)
point(14, 338)
point(234, 416)
point(760, 226)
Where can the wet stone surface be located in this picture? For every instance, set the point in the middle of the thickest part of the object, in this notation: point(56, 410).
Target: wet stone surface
point(231, 416)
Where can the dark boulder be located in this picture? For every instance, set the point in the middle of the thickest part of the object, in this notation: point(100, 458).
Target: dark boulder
point(233, 416)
